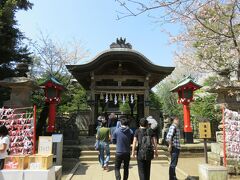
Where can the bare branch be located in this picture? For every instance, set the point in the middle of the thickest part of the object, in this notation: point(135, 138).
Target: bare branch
point(53, 56)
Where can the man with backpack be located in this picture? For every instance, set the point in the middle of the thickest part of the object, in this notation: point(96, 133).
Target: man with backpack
point(146, 149)
point(173, 139)
point(122, 138)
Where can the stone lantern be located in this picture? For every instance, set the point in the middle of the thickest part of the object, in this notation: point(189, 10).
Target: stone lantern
point(185, 89)
point(52, 89)
point(21, 88)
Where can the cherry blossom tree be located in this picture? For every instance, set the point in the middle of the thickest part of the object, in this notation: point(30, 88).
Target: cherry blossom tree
point(212, 43)
point(211, 30)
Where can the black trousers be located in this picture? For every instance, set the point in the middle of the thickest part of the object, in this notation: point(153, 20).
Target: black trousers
point(1, 163)
point(144, 169)
point(119, 158)
point(174, 160)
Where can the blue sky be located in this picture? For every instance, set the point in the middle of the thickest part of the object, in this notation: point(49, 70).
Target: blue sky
point(93, 22)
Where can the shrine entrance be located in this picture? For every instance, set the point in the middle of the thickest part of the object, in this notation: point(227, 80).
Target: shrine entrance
point(118, 77)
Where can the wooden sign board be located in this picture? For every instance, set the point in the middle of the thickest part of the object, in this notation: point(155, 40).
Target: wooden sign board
point(45, 145)
point(204, 130)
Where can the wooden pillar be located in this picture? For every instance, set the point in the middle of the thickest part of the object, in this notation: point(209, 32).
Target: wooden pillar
point(146, 103)
point(146, 96)
point(140, 106)
point(131, 105)
point(92, 91)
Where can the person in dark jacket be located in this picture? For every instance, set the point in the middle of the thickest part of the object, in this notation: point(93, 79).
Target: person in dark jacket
point(122, 138)
point(144, 166)
point(112, 122)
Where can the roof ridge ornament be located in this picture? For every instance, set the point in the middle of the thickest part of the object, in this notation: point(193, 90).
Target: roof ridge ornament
point(121, 43)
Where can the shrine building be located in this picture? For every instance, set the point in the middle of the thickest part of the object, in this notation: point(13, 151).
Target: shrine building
point(117, 76)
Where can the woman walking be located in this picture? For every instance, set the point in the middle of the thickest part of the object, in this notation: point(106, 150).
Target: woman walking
point(104, 136)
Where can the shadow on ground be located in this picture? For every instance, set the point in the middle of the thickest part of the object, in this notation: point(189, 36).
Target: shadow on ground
point(81, 170)
point(68, 165)
point(192, 178)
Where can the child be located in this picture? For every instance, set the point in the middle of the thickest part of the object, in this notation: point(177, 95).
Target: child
point(4, 144)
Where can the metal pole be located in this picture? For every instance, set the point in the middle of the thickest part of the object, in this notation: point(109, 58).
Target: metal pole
point(205, 150)
point(34, 128)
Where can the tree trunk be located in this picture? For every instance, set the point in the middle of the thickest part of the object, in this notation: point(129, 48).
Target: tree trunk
point(42, 120)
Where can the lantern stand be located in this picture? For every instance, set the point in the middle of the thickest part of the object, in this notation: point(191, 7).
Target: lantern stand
point(185, 89)
point(52, 89)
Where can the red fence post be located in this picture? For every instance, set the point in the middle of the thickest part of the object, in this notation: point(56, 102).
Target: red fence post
point(34, 128)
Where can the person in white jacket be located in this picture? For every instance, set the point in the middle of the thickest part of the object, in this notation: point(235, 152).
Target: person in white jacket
point(153, 124)
point(4, 144)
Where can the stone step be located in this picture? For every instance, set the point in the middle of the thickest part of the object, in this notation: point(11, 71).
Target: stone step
point(185, 148)
point(87, 153)
point(189, 155)
point(95, 158)
point(134, 162)
point(113, 147)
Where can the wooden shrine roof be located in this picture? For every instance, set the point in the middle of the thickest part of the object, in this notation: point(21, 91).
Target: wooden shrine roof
point(107, 63)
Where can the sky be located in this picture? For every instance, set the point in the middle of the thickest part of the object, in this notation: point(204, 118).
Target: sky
point(94, 23)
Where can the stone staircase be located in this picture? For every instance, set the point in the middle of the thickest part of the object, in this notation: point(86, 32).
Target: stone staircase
point(91, 156)
point(85, 151)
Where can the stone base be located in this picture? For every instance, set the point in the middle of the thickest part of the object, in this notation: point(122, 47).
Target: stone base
point(233, 166)
point(209, 172)
point(188, 137)
point(215, 159)
point(217, 148)
point(58, 172)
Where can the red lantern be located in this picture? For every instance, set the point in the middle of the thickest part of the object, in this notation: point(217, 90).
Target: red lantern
point(52, 89)
point(185, 89)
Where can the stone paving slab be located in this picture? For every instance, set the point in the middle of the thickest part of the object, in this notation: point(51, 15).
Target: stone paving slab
point(95, 172)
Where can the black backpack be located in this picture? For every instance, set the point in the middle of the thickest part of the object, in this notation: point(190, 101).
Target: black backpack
point(145, 151)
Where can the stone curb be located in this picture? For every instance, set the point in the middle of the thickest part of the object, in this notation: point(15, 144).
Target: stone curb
point(70, 175)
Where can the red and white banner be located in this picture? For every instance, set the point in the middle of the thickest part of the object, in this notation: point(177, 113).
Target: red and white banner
point(232, 131)
point(20, 125)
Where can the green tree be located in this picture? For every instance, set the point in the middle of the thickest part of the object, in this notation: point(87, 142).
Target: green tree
point(12, 50)
point(125, 108)
point(73, 99)
point(204, 108)
point(155, 101)
point(168, 99)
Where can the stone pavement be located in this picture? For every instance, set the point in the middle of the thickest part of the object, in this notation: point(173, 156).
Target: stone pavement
point(93, 171)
